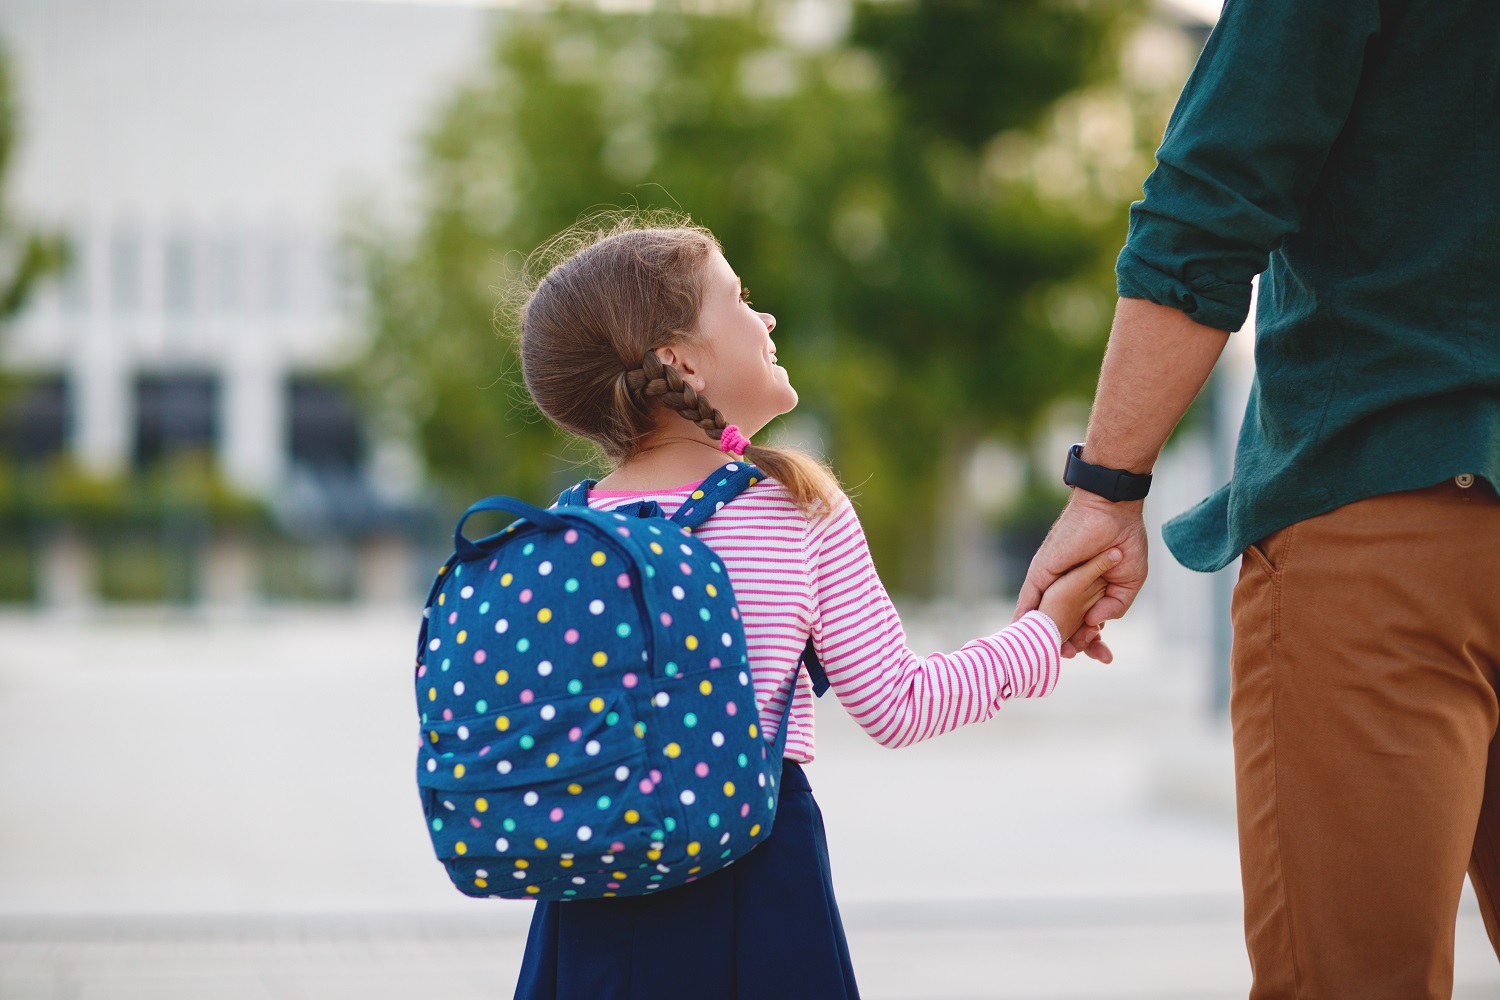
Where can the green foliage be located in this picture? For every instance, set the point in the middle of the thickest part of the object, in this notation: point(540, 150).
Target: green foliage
point(29, 255)
point(147, 529)
point(183, 495)
point(889, 197)
point(969, 70)
point(18, 571)
point(138, 570)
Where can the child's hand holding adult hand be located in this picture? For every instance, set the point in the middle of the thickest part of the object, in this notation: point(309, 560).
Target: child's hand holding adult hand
point(1072, 594)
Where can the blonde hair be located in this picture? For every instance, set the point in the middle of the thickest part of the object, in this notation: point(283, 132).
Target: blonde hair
point(613, 288)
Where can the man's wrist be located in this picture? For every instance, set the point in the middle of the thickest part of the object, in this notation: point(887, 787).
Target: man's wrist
point(1117, 485)
point(1121, 509)
point(1115, 458)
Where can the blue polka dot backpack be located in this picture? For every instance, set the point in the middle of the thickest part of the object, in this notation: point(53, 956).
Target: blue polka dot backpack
point(589, 728)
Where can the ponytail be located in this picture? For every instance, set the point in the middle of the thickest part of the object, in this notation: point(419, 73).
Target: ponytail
point(811, 483)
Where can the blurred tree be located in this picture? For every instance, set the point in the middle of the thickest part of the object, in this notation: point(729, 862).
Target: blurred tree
point(929, 203)
point(26, 255)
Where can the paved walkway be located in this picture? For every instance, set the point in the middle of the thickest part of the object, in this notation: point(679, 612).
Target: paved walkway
point(201, 807)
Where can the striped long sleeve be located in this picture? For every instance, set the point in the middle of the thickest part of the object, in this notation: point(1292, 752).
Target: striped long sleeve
point(897, 696)
point(796, 577)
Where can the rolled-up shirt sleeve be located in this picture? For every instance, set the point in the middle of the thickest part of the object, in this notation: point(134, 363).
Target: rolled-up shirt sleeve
point(1243, 152)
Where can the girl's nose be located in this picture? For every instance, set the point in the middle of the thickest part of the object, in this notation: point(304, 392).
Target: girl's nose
point(769, 320)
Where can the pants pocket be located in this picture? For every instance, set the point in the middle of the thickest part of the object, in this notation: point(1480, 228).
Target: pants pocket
point(1257, 593)
point(1271, 553)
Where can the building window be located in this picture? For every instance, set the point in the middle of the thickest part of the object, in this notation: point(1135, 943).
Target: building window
point(178, 274)
point(75, 279)
point(323, 426)
point(229, 280)
point(125, 275)
point(37, 421)
point(174, 414)
point(280, 275)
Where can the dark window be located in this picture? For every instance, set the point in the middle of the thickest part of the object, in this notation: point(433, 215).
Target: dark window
point(323, 426)
point(38, 420)
point(175, 413)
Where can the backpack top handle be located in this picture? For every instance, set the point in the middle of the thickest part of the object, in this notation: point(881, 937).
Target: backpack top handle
point(468, 551)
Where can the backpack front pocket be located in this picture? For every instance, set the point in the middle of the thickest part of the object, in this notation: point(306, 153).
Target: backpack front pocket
point(538, 800)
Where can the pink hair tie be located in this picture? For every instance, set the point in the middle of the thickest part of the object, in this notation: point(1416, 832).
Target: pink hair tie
point(732, 441)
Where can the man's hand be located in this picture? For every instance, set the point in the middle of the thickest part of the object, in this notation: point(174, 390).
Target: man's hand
point(1090, 525)
point(1157, 360)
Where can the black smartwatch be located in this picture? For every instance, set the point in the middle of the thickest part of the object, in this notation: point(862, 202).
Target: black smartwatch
point(1113, 485)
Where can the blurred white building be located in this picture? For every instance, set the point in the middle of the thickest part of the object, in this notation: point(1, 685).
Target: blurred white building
point(200, 156)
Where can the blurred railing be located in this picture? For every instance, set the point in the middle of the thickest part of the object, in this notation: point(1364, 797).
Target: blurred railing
point(64, 570)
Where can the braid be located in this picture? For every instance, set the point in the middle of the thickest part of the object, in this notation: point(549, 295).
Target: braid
point(811, 484)
point(655, 380)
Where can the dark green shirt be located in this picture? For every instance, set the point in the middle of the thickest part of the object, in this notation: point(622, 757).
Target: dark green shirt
point(1355, 145)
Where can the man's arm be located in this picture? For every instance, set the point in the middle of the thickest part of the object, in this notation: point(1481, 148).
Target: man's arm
point(1242, 154)
point(1155, 365)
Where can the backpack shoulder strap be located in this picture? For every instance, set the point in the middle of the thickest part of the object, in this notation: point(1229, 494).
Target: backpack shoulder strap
point(722, 486)
point(576, 496)
point(815, 671)
point(712, 494)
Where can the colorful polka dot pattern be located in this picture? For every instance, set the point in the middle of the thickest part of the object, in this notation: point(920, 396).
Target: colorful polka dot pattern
point(588, 721)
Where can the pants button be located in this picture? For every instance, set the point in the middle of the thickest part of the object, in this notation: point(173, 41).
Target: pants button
point(1464, 480)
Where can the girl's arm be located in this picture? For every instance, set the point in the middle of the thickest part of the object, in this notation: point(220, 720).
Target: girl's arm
point(895, 695)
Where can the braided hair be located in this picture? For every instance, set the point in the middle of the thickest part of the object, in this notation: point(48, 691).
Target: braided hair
point(615, 287)
point(657, 380)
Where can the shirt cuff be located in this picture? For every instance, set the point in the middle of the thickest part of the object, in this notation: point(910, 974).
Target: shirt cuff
point(1205, 300)
point(1046, 620)
point(1031, 671)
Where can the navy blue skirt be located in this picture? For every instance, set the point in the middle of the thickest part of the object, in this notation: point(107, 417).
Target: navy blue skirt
point(765, 928)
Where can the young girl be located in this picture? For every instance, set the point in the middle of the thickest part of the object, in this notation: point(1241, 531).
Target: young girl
point(624, 342)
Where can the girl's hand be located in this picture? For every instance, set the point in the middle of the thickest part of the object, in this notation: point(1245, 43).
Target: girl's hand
point(1090, 525)
point(1072, 594)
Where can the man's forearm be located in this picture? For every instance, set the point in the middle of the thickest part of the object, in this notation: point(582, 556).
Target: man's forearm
point(1156, 363)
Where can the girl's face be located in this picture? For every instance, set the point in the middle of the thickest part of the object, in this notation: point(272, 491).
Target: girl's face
point(732, 361)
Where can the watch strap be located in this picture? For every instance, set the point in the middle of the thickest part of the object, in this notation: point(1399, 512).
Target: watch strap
point(1113, 485)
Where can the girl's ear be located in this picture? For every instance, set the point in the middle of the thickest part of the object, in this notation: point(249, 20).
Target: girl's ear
point(681, 359)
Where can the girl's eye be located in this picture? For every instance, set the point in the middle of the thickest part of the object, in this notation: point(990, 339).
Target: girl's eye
point(745, 295)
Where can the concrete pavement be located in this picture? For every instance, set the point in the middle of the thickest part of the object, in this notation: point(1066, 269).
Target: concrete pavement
point(202, 806)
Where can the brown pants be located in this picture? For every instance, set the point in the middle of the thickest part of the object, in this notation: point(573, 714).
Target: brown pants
point(1366, 652)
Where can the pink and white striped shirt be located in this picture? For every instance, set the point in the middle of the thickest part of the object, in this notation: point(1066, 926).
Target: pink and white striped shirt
point(795, 577)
